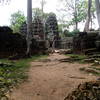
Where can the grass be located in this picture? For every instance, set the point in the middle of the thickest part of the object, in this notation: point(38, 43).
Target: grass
point(14, 72)
point(80, 59)
point(92, 70)
point(77, 58)
point(77, 55)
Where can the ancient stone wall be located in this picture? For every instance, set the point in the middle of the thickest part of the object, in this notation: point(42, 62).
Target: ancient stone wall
point(37, 28)
point(15, 44)
point(84, 41)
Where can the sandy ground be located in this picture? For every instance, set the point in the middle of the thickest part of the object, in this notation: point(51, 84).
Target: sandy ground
point(50, 79)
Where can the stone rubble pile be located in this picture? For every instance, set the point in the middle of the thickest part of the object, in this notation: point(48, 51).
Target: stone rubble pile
point(86, 91)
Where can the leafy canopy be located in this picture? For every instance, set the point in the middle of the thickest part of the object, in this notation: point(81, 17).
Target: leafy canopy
point(17, 20)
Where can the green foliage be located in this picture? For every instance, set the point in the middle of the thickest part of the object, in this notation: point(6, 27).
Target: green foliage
point(60, 28)
point(38, 12)
point(70, 34)
point(74, 32)
point(78, 12)
point(81, 57)
point(77, 58)
point(16, 20)
point(82, 9)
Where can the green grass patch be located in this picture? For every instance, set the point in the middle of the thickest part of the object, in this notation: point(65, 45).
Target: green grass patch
point(14, 72)
point(80, 56)
point(77, 58)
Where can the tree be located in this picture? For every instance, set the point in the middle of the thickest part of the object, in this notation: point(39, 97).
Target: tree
point(16, 20)
point(97, 4)
point(29, 25)
point(71, 8)
point(38, 12)
point(86, 28)
point(43, 2)
point(76, 11)
point(37, 23)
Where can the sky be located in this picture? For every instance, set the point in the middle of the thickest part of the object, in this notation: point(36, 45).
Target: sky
point(15, 5)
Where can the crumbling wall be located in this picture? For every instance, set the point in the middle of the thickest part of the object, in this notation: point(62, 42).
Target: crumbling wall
point(86, 91)
point(37, 28)
point(84, 41)
point(15, 44)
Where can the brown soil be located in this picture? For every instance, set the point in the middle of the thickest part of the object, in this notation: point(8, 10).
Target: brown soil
point(49, 79)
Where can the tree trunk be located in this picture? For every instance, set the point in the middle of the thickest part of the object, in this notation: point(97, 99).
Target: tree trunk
point(86, 28)
point(76, 25)
point(43, 19)
point(97, 3)
point(29, 25)
point(42, 7)
point(75, 16)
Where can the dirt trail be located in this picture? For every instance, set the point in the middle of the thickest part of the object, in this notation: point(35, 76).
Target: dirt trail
point(50, 79)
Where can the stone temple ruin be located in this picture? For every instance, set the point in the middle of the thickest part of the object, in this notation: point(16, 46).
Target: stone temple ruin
point(51, 26)
point(14, 44)
point(23, 29)
point(41, 30)
point(44, 30)
point(86, 42)
point(37, 28)
point(83, 42)
point(86, 91)
point(51, 30)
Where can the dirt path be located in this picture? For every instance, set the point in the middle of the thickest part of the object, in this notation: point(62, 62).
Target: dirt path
point(51, 80)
